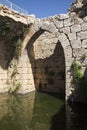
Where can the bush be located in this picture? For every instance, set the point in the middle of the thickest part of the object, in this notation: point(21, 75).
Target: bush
point(76, 72)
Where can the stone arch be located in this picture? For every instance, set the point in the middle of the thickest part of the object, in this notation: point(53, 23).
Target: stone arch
point(68, 62)
point(64, 41)
point(24, 66)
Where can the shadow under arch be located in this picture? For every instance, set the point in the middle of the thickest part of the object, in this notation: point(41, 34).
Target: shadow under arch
point(35, 63)
point(62, 49)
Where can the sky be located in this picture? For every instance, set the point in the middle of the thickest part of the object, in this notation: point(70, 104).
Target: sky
point(44, 8)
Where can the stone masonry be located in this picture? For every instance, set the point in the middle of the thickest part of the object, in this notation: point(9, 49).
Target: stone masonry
point(48, 51)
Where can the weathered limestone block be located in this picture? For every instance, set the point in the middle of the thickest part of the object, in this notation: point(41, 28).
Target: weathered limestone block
point(5, 11)
point(2, 71)
point(56, 34)
point(59, 24)
point(62, 37)
point(65, 30)
point(52, 28)
point(77, 52)
point(64, 41)
point(55, 40)
point(24, 71)
point(47, 41)
point(85, 19)
point(45, 25)
point(72, 36)
point(65, 44)
point(3, 88)
point(68, 52)
point(48, 26)
point(69, 78)
point(84, 26)
point(3, 76)
point(68, 22)
point(63, 16)
point(75, 28)
point(47, 53)
point(69, 61)
point(78, 20)
point(76, 44)
point(82, 35)
point(84, 43)
point(68, 90)
point(31, 19)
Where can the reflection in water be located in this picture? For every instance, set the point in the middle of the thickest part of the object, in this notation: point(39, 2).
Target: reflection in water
point(16, 111)
point(39, 111)
point(46, 110)
point(31, 112)
point(59, 120)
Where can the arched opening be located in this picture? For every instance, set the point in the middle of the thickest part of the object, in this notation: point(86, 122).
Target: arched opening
point(48, 63)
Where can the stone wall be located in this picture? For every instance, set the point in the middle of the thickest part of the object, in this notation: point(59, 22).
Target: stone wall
point(72, 33)
point(14, 66)
point(49, 48)
point(48, 64)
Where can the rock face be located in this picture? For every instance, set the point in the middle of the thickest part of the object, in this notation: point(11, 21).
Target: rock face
point(49, 47)
point(79, 7)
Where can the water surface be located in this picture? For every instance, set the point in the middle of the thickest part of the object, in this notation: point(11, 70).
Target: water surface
point(40, 111)
point(76, 116)
point(33, 111)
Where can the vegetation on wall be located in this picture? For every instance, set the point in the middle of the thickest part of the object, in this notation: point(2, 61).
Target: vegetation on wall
point(12, 35)
point(18, 48)
point(84, 56)
point(79, 79)
point(15, 71)
point(76, 72)
point(15, 85)
point(4, 29)
point(17, 44)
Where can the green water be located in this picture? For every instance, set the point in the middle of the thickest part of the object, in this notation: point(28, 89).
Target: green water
point(33, 111)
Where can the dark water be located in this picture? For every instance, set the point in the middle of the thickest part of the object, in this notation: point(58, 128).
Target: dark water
point(39, 111)
point(76, 117)
point(31, 112)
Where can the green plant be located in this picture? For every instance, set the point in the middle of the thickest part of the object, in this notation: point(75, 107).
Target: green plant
point(80, 80)
point(76, 72)
point(18, 48)
point(7, 26)
point(25, 29)
point(84, 56)
point(15, 71)
point(42, 50)
point(15, 87)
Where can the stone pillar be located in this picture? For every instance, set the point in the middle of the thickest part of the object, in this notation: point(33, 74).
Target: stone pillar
point(25, 74)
